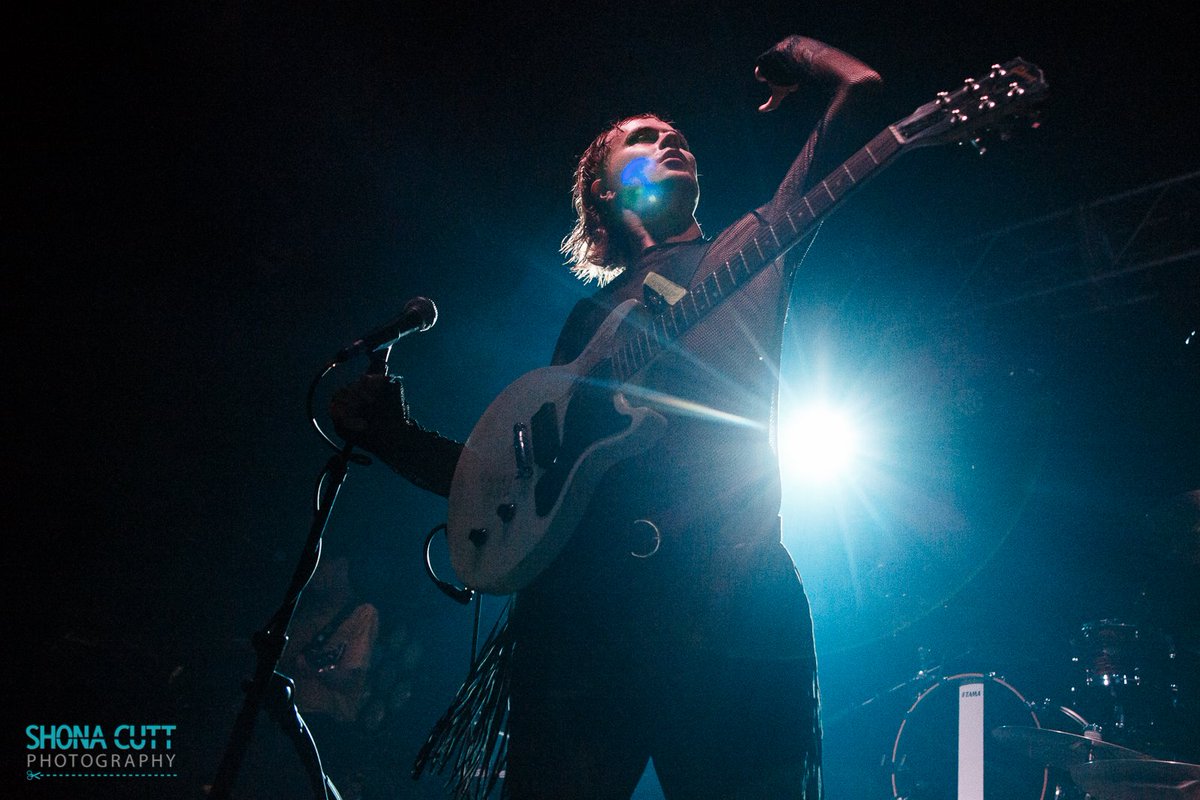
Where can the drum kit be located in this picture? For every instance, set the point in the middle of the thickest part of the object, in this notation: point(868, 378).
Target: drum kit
point(974, 736)
point(1130, 731)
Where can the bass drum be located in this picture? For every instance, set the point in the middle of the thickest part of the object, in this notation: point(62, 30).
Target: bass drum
point(926, 753)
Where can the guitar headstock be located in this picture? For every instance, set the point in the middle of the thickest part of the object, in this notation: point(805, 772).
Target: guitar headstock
point(995, 101)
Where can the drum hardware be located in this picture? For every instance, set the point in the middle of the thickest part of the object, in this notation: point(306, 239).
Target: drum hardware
point(1060, 749)
point(1126, 681)
point(1140, 779)
point(942, 750)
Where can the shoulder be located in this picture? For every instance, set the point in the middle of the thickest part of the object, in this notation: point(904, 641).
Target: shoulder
point(584, 319)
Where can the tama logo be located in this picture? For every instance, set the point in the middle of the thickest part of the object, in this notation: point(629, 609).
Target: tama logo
point(971, 693)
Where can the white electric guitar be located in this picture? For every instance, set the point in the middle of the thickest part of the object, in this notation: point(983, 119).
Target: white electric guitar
point(530, 465)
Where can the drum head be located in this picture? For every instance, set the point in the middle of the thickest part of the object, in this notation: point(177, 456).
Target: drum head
point(944, 749)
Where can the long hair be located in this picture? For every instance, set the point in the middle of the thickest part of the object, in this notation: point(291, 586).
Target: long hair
point(597, 248)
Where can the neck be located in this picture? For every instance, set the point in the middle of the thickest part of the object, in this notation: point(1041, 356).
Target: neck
point(647, 233)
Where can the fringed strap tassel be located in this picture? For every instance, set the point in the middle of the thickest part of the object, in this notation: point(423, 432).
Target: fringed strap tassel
point(470, 740)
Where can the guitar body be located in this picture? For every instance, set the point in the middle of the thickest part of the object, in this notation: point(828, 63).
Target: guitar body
point(531, 463)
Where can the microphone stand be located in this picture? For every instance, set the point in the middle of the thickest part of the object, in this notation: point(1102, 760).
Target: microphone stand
point(269, 688)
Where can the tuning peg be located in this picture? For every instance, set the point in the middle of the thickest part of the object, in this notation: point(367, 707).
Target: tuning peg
point(943, 99)
point(971, 84)
point(986, 103)
point(1015, 90)
point(997, 72)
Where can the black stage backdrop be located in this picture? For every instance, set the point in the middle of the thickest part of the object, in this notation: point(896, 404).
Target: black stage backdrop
point(205, 201)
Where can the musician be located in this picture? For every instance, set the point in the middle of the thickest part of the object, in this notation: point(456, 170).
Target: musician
point(673, 625)
point(333, 636)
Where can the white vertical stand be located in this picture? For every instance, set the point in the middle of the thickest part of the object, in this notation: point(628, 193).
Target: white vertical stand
point(970, 741)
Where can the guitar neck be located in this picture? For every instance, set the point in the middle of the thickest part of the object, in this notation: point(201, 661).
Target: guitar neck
point(779, 236)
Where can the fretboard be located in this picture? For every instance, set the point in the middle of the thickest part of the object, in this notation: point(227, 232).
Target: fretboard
point(778, 237)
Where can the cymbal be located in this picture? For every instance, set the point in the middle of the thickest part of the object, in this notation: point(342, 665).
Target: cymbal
point(1061, 749)
point(1121, 779)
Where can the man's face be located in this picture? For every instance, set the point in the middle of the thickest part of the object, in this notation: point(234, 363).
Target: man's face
point(649, 166)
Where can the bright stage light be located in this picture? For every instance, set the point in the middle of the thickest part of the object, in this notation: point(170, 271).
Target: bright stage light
point(818, 444)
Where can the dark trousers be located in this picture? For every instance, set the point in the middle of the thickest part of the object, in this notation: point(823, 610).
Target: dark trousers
point(725, 704)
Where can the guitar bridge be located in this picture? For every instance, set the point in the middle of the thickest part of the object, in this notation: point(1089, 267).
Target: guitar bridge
point(521, 451)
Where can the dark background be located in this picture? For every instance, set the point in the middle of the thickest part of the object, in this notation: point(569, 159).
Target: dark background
point(207, 200)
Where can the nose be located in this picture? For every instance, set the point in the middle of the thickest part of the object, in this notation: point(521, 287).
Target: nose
point(670, 139)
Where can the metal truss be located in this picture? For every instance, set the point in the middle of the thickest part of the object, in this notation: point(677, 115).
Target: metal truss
point(1103, 255)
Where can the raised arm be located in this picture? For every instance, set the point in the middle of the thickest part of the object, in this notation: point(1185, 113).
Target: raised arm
point(799, 64)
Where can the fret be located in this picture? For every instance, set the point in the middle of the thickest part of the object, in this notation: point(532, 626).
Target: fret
point(871, 153)
point(728, 268)
point(859, 167)
point(832, 196)
point(761, 255)
point(849, 174)
point(788, 216)
point(840, 186)
point(716, 286)
point(823, 201)
point(707, 300)
point(771, 228)
point(673, 316)
point(746, 272)
point(660, 330)
point(695, 311)
point(729, 276)
point(712, 290)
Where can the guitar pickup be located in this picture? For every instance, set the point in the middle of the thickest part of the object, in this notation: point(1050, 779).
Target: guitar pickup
point(547, 443)
point(521, 451)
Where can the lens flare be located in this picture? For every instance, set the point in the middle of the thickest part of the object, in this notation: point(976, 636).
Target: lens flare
point(637, 184)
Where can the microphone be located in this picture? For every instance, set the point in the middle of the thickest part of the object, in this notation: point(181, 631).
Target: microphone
point(419, 315)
